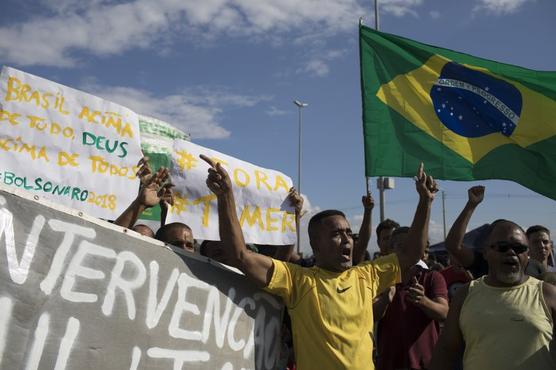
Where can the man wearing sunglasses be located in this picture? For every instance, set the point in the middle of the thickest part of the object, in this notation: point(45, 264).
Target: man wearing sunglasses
point(472, 257)
point(503, 320)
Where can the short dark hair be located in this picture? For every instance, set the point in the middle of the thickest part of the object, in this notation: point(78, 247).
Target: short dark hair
point(316, 220)
point(535, 229)
point(161, 234)
point(385, 225)
point(138, 227)
point(400, 230)
point(493, 224)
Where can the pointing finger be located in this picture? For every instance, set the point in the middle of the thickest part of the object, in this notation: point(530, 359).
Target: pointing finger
point(208, 160)
point(420, 171)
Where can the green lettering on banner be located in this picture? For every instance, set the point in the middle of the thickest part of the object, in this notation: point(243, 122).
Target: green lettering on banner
point(104, 144)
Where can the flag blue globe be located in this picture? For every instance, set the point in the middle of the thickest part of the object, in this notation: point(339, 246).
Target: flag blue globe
point(474, 104)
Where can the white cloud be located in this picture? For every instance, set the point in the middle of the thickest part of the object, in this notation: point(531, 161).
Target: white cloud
point(318, 64)
point(111, 27)
point(499, 7)
point(436, 232)
point(316, 67)
point(356, 220)
point(434, 14)
point(400, 8)
point(196, 111)
point(273, 111)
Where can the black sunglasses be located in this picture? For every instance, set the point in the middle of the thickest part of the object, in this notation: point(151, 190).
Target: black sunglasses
point(503, 247)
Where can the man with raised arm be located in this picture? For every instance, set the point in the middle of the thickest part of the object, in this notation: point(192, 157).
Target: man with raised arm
point(154, 189)
point(410, 319)
point(330, 303)
point(149, 193)
point(467, 256)
point(505, 319)
point(470, 258)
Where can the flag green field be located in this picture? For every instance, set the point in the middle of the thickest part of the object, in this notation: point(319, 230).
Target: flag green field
point(157, 141)
point(465, 117)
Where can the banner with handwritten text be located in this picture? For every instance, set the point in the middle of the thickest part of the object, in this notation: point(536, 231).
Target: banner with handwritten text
point(66, 145)
point(265, 215)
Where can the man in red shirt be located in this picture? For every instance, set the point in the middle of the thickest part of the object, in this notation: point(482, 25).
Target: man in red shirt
point(409, 329)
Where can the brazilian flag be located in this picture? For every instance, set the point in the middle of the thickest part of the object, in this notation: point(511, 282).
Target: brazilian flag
point(467, 118)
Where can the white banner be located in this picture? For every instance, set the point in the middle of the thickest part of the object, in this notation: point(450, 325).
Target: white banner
point(66, 145)
point(265, 215)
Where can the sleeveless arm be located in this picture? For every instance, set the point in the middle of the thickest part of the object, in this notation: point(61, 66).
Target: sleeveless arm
point(549, 293)
point(450, 345)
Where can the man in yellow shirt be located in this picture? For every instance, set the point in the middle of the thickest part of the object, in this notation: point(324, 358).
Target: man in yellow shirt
point(330, 305)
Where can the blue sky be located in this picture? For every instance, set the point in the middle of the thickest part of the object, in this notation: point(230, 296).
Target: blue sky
point(227, 71)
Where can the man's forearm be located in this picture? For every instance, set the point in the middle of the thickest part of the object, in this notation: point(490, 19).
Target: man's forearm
point(417, 238)
point(229, 227)
point(454, 239)
point(364, 236)
point(130, 215)
point(164, 214)
point(434, 310)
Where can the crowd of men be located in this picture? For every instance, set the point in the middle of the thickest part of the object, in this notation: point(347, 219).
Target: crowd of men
point(489, 306)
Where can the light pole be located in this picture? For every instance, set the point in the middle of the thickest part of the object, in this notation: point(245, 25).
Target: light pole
point(383, 184)
point(300, 107)
point(444, 212)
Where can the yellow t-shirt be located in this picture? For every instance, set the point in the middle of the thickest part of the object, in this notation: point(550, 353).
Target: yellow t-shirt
point(332, 312)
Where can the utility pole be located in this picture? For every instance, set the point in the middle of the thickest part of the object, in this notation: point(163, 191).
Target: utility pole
point(300, 107)
point(444, 212)
point(380, 180)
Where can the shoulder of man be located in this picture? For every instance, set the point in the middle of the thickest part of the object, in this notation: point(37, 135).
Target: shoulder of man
point(435, 284)
point(535, 269)
point(381, 264)
point(290, 281)
point(549, 294)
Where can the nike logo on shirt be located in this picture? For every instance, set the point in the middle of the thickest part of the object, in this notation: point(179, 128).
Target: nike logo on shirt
point(340, 290)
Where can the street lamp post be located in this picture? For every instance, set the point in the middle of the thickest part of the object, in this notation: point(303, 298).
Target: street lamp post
point(300, 107)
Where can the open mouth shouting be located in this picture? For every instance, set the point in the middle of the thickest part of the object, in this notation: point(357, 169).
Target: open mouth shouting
point(346, 254)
